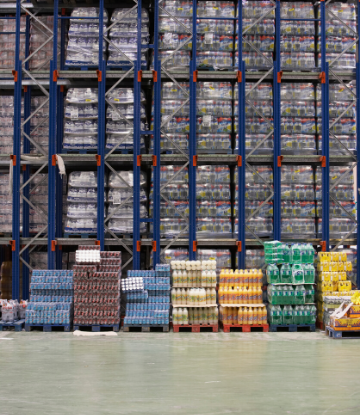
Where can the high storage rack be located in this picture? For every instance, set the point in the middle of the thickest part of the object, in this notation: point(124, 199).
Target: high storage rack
point(52, 83)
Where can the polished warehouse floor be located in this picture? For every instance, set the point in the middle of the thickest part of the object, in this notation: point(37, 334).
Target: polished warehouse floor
point(185, 373)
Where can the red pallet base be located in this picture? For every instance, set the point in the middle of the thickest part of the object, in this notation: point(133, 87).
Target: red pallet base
point(196, 328)
point(320, 325)
point(244, 328)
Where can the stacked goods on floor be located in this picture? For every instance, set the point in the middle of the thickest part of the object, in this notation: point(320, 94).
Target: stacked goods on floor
point(243, 316)
point(120, 119)
point(297, 43)
point(342, 206)
point(333, 287)
point(80, 119)
point(120, 196)
point(8, 40)
point(193, 295)
point(297, 202)
point(347, 316)
point(123, 37)
point(11, 311)
point(97, 276)
point(147, 297)
point(51, 298)
point(82, 49)
point(291, 276)
point(340, 36)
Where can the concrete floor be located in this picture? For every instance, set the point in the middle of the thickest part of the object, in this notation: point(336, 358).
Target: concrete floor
point(195, 374)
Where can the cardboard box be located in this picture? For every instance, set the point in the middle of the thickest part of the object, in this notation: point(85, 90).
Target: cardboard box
point(354, 311)
point(345, 323)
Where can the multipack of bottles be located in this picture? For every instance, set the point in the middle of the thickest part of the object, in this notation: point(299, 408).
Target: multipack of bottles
point(151, 305)
point(287, 314)
point(8, 40)
point(193, 296)
point(195, 316)
point(51, 298)
point(123, 38)
point(12, 311)
point(97, 287)
point(243, 316)
point(82, 49)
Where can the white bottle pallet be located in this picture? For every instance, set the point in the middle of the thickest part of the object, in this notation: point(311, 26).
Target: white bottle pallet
point(192, 305)
point(242, 305)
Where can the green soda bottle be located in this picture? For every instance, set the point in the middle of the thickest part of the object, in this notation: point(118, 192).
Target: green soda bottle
point(296, 315)
point(286, 253)
point(303, 253)
point(295, 254)
point(312, 317)
point(272, 274)
point(301, 311)
point(311, 254)
point(307, 319)
point(270, 293)
point(285, 274)
point(297, 274)
point(288, 315)
point(309, 294)
point(309, 273)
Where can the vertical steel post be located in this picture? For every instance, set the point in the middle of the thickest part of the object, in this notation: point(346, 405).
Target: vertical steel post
point(52, 144)
point(137, 138)
point(325, 130)
point(241, 167)
point(101, 131)
point(16, 161)
point(156, 159)
point(192, 142)
point(277, 129)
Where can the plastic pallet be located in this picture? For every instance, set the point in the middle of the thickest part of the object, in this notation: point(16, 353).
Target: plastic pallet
point(195, 328)
point(47, 327)
point(18, 325)
point(97, 327)
point(292, 327)
point(145, 327)
point(320, 325)
point(338, 334)
point(245, 328)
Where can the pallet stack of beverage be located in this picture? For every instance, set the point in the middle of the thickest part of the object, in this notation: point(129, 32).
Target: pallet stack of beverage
point(97, 276)
point(12, 314)
point(291, 276)
point(51, 300)
point(193, 296)
point(147, 299)
point(241, 300)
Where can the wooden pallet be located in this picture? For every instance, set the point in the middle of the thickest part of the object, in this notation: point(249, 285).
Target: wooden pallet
point(145, 328)
point(245, 328)
point(339, 334)
point(97, 327)
point(195, 328)
point(48, 327)
point(292, 327)
point(17, 325)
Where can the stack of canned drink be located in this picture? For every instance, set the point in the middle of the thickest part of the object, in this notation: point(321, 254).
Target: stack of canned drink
point(343, 210)
point(51, 298)
point(258, 26)
point(297, 42)
point(120, 196)
point(120, 119)
point(123, 38)
point(83, 45)
point(341, 34)
point(342, 103)
point(8, 40)
point(80, 119)
point(298, 122)
point(41, 30)
point(297, 201)
point(259, 188)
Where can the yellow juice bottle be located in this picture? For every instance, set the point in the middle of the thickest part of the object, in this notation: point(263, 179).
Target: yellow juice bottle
point(221, 278)
point(245, 316)
point(221, 295)
point(246, 278)
point(236, 277)
point(240, 316)
point(251, 316)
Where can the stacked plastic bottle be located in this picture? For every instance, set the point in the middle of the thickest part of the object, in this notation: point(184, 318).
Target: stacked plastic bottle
point(193, 295)
point(7, 42)
point(341, 34)
point(342, 190)
point(258, 189)
point(258, 26)
point(297, 202)
point(297, 42)
point(254, 258)
point(342, 102)
point(82, 202)
point(243, 316)
point(298, 122)
point(97, 276)
point(80, 119)
point(352, 257)
point(12, 311)
point(40, 32)
point(258, 118)
point(51, 298)
point(149, 302)
point(120, 196)
point(120, 119)
point(82, 49)
point(333, 284)
point(291, 276)
point(123, 38)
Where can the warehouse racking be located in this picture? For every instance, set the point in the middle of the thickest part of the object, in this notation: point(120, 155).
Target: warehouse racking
point(52, 84)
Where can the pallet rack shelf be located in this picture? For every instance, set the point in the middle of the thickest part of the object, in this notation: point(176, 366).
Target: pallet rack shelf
point(52, 83)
